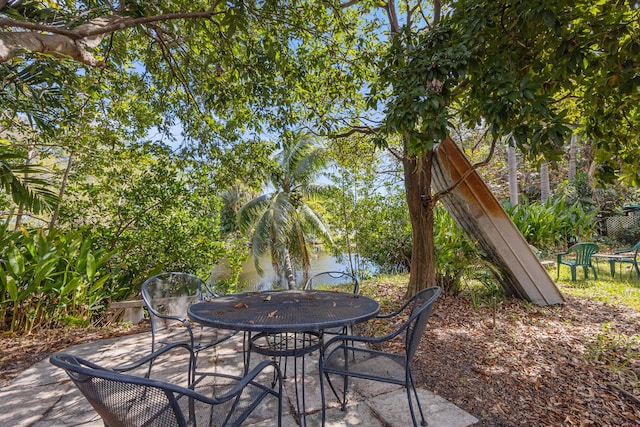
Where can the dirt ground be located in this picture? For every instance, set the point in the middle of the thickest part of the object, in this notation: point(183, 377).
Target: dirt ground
point(512, 364)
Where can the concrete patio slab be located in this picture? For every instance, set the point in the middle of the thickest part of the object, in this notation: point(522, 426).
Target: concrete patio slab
point(43, 396)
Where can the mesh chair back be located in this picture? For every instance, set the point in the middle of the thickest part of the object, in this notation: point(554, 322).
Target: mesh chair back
point(421, 308)
point(583, 252)
point(122, 400)
point(133, 401)
point(169, 295)
point(332, 277)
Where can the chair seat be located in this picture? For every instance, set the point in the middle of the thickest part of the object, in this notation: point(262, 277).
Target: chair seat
point(367, 363)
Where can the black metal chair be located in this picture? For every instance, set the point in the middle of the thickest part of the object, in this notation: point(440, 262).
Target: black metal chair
point(330, 278)
point(335, 358)
point(167, 297)
point(130, 400)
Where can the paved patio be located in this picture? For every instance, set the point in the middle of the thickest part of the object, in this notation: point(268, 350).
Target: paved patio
point(44, 396)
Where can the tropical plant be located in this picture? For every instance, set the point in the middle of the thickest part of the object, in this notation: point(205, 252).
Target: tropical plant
point(24, 182)
point(353, 172)
point(554, 224)
point(50, 280)
point(384, 231)
point(159, 212)
point(280, 221)
point(455, 254)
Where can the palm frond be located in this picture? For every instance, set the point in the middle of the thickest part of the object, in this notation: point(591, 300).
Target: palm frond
point(28, 191)
point(308, 167)
point(281, 221)
point(315, 223)
point(251, 211)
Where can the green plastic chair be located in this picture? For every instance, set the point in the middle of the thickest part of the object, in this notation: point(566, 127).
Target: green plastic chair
point(580, 257)
point(633, 252)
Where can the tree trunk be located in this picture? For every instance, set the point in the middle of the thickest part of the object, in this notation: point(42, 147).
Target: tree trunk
point(573, 149)
point(513, 174)
point(288, 270)
point(63, 186)
point(545, 187)
point(31, 153)
point(417, 179)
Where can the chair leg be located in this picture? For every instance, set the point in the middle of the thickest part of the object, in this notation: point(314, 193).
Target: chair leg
point(573, 273)
point(612, 267)
point(323, 400)
point(333, 389)
point(585, 270)
point(595, 272)
point(412, 386)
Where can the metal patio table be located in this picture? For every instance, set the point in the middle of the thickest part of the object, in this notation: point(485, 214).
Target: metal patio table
point(269, 316)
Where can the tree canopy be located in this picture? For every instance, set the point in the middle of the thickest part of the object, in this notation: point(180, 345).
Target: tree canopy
point(223, 73)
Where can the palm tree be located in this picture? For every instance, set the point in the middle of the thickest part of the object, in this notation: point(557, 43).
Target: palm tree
point(280, 222)
point(545, 185)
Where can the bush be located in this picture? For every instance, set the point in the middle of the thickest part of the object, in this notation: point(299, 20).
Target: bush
point(455, 254)
point(50, 280)
point(553, 225)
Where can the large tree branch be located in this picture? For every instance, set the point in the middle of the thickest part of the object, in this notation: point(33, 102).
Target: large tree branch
point(390, 7)
point(74, 43)
point(11, 44)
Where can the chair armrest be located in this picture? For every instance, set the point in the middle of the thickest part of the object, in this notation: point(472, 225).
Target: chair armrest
point(394, 313)
point(363, 339)
point(249, 378)
point(622, 251)
point(153, 356)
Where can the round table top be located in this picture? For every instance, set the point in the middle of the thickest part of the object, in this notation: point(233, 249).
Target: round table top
point(284, 311)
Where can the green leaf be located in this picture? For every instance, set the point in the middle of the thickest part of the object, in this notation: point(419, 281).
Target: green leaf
point(16, 262)
point(98, 284)
point(12, 288)
point(91, 266)
point(71, 285)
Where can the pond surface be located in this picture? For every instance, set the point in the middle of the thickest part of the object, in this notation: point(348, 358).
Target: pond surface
point(322, 261)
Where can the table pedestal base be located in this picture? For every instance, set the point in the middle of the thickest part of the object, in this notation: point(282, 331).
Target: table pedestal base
point(287, 344)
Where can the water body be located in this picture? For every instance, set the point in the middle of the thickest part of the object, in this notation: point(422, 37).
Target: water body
point(322, 261)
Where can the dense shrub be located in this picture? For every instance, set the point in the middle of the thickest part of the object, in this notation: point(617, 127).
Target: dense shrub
point(554, 224)
point(50, 280)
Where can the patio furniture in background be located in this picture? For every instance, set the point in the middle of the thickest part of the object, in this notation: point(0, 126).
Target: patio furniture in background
point(625, 256)
point(334, 357)
point(580, 256)
point(130, 400)
point(332, 277)
point(329, 278)
point(167, 297)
